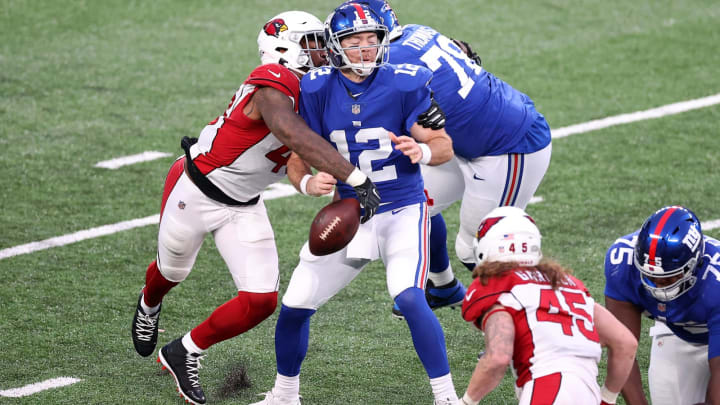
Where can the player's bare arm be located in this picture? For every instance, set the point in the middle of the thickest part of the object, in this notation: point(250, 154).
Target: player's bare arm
point(277, 110)
point(629, 315)
point(713, 392)
point(621, 345)
point(490, 368)
point(301, 176)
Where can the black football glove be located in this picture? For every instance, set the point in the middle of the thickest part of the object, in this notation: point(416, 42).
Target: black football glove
point(433, 118)
point(468, 51)
point(369, 199)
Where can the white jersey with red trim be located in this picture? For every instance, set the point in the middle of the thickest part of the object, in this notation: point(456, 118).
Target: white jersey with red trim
point(238, 154)
point(554, 329)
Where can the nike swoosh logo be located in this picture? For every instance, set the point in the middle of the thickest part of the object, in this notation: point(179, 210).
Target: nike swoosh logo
point(274, 74)
point(469, 295)
point(475, 176)
point(397, 210)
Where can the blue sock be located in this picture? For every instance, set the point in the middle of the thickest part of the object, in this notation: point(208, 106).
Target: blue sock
point(427, 334)
point(292, 333)
point(439, 260)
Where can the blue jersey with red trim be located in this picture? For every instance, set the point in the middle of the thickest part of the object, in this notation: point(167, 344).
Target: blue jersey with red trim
point(693, 316)
point(356, 118)
point(485, 115)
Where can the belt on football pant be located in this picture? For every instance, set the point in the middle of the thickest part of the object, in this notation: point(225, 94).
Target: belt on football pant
point(204, 184)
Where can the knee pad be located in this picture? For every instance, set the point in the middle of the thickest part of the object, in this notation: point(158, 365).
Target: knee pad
point(173, 274)
point(464, 249)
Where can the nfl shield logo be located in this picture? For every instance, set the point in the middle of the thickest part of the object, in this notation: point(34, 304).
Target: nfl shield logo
point(181, 205)
point(661, 307)
point(355, 109)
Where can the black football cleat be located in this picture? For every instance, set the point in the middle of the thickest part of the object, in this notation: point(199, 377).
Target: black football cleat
point(184, 367)
point(144, 330)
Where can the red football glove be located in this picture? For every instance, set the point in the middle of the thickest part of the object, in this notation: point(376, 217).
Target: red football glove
point(605, 403)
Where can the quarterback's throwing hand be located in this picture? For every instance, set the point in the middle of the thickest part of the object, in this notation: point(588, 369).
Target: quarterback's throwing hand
point(369, 199)
point(408, 146)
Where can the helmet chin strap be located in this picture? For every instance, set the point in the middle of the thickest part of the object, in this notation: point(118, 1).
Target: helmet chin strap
point(284, 62)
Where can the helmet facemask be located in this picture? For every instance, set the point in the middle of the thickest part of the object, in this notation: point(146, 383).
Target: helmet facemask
point(290, 39)
point(650, 274)
point(669, 245)
point(345, 22)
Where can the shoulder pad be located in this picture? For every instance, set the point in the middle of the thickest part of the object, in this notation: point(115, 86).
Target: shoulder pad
point(479, 298)
point(316, 79)
point(406, 77)
point(276, 76)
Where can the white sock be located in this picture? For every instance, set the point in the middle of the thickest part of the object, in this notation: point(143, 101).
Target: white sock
point(443, 388)
point(190, 346)
point(287, 387)
point(442, 278)
point(148, 310)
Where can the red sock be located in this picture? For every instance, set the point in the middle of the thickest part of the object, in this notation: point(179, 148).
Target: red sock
point(156, 286)
point(234, 317)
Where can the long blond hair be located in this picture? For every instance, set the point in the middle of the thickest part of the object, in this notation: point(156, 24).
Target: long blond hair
point(554, 271)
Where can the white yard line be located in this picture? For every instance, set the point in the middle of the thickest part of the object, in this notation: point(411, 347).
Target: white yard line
point(284, 190)
point(78, 236)
point(116, 163)
point(37, 387)
point(274, 191)
point(663, 111)
point(710, 225)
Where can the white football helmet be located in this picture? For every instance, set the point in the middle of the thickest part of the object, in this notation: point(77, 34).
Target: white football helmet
point(507, 234)
point(281, 40)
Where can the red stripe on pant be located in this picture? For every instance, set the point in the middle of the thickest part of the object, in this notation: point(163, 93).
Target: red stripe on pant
point(545, 389)
point(176, 170)
point(513, 184)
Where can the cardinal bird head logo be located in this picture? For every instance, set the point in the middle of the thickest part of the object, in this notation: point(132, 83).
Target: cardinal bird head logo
point(275, 27)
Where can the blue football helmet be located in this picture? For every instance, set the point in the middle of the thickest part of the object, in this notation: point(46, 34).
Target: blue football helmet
point(387, 15)
point(352, 18)
point(670, 244)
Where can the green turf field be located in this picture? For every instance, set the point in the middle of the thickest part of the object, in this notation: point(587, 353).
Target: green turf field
point(85, 81)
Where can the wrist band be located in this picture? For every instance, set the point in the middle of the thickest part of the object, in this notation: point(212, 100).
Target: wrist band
point(303, 183)
point(426, 153)
point(467, 400)
point(356, 178)
point(607, 395)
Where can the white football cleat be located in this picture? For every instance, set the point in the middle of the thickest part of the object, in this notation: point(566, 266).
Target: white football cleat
point(447, 402)
point(272, 399)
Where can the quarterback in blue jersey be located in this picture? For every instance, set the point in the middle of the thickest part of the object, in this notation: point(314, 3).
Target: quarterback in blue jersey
point(368, 110)
point(670, 272)
point(501, 144)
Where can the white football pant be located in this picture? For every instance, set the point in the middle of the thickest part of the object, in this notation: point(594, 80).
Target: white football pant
point(559, 389)
point(243, 236)
point(398, 237)
point(483, 184)
point(679, 371)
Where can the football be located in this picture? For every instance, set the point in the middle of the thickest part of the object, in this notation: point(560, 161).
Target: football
point(334, 226)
